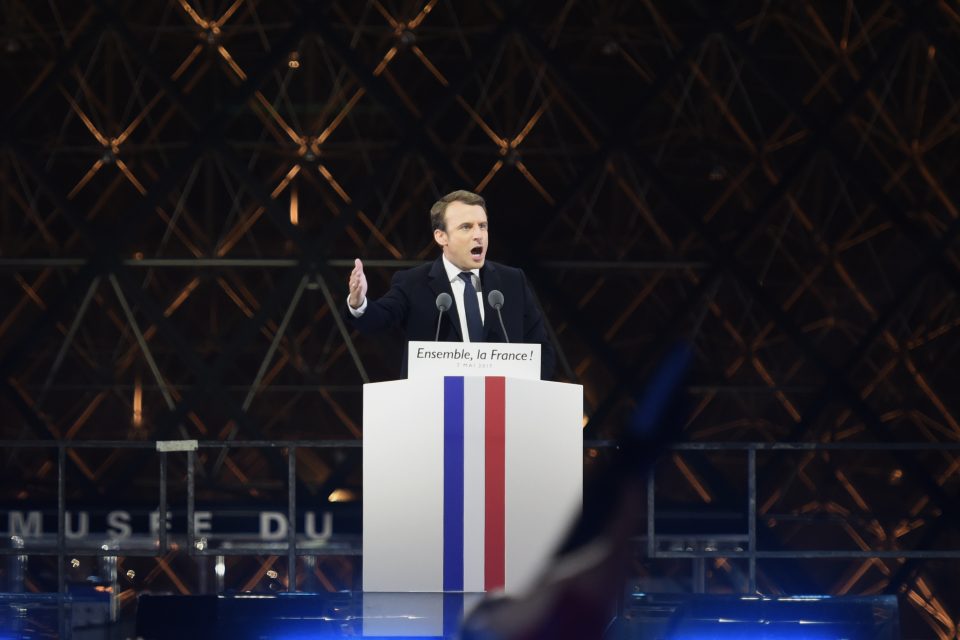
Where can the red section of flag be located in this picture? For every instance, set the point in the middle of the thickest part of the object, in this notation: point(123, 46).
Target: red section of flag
point(494, 543)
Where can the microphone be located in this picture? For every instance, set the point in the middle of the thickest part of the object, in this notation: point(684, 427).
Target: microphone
point(495, 298)
point(443, 303)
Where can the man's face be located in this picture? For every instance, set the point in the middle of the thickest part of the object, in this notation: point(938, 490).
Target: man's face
point(464, 240)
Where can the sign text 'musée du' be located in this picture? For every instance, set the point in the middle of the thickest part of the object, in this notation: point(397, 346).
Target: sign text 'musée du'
point(121, 524)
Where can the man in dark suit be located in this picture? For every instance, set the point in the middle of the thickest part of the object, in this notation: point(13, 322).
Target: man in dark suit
point(459, 221)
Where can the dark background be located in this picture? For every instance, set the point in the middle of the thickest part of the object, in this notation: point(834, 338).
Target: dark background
point(775, 181)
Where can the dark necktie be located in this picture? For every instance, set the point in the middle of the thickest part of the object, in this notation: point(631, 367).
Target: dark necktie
point(472, 308)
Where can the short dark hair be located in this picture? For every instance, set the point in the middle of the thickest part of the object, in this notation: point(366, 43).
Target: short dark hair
point(438, 212)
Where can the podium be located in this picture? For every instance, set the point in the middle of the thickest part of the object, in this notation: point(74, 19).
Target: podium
point(469, 481)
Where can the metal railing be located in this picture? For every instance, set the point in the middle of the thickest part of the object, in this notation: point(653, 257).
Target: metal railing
point(162, 546)
point(749, 551)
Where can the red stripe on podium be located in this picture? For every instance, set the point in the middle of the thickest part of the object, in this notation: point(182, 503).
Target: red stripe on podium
point(494, 542)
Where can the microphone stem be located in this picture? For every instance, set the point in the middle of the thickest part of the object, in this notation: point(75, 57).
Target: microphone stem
point(505, 336)
point(436, 338)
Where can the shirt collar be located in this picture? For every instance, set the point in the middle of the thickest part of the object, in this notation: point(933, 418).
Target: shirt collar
point(453, 271)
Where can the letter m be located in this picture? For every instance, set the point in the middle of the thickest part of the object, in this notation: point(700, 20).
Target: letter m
point(29, 527)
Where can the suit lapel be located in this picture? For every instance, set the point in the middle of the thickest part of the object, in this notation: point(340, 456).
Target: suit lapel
point(439, 284)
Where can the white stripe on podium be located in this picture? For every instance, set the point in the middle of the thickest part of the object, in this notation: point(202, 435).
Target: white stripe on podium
point(473, 482)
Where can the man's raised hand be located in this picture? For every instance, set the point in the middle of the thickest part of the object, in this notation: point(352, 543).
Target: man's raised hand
point(358, 285)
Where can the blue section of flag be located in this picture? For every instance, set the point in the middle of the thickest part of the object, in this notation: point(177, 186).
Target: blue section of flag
point(453, 483)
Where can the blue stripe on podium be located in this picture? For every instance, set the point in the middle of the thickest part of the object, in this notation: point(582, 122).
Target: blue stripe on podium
point(453, 483)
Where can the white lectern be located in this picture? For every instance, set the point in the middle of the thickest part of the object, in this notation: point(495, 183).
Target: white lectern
point(469, 481)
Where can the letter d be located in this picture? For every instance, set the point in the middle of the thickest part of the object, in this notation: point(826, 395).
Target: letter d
point(267, 520)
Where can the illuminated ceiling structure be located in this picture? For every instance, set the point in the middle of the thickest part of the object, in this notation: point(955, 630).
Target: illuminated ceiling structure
point(185, 185)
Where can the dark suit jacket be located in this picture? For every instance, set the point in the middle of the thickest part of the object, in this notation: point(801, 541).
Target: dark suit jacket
point(410, 304)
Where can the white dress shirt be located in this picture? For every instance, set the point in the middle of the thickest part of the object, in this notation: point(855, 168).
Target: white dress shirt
point(457, 285)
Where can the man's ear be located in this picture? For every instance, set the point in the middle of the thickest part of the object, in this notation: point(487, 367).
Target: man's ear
point(440, 237)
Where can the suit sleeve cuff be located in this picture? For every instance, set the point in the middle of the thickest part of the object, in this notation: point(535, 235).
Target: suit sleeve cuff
point(356, 313)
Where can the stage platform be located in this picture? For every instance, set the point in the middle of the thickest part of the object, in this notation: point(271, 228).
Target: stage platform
point(640, 616)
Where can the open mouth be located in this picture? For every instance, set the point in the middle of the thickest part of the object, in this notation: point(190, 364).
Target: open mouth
point(477, 251)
